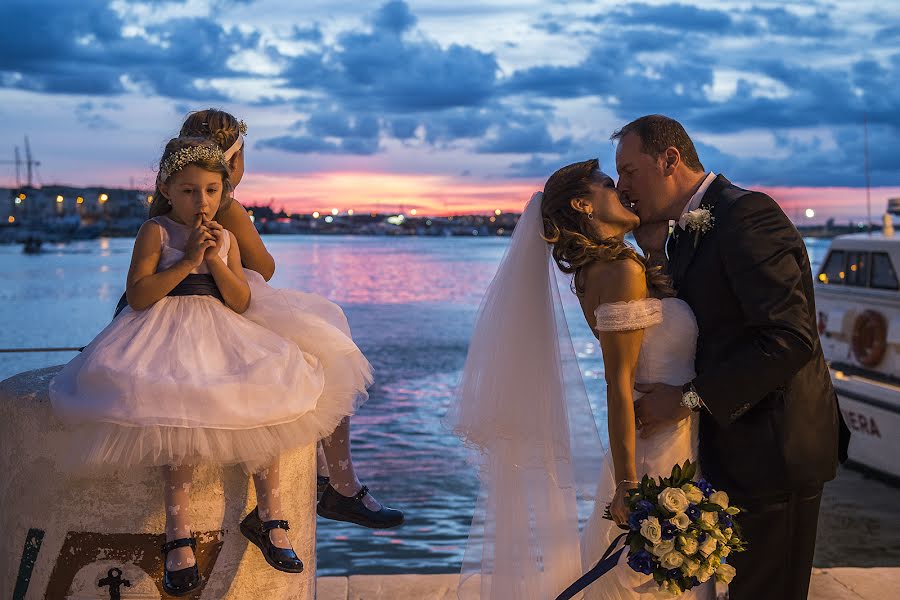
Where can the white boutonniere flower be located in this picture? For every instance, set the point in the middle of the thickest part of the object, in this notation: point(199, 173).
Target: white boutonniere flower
point(699, 220)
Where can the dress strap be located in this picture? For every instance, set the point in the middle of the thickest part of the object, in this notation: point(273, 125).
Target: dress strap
point(628, 316)
point(164, 232)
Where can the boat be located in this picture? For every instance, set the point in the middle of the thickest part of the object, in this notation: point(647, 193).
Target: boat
point(858, 306)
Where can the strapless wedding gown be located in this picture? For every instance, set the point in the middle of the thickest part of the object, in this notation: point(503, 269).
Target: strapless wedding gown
point(667, 356)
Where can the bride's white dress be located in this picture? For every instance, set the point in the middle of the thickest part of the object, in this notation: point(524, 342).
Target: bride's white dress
point(666, 356)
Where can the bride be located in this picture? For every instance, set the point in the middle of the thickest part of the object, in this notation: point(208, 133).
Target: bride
point(521, 401)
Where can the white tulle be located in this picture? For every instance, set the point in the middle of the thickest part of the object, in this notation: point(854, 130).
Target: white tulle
point(521, 403)
point(190, 380)
point(667, 356)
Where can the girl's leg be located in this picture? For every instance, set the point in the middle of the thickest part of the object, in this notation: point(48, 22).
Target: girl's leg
point(336, 450)
point(177, 495)
point(268, 501)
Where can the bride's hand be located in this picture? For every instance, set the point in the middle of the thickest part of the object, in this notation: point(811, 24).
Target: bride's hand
point(618, 509)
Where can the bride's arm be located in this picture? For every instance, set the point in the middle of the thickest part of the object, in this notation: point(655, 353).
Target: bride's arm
point(620, 281)
point(254, 254)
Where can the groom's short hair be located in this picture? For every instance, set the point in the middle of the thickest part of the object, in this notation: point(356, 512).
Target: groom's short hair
point(658, 132)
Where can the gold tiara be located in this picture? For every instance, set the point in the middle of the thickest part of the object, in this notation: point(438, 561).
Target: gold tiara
point(189, 155)
point(242, 127)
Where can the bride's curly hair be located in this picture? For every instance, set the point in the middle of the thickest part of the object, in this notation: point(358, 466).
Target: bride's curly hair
point(575, 243)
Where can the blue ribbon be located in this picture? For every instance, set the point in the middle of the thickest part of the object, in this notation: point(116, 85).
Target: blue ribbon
point(609, 560)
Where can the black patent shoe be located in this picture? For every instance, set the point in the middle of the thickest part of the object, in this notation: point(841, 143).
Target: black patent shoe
point(338, 507)
point(257, 531)
point(183, 581)
point(321, 485)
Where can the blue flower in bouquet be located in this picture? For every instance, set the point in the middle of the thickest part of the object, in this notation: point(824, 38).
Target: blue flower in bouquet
point(669, 531)
point(693, 512)
point(701, 538)
point(641, 561)
point(725, 520)
point(705, 487)
point(645, 505)
point(673, 573)
point(634, 520)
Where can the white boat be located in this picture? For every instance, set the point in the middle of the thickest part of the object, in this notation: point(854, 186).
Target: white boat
point(858, 304)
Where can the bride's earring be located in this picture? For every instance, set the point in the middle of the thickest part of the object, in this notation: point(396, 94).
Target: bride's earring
point(590, 216)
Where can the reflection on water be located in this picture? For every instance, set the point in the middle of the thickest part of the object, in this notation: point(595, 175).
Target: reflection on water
point(411, 303)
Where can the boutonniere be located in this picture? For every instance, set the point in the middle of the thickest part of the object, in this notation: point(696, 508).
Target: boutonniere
point(699, 221)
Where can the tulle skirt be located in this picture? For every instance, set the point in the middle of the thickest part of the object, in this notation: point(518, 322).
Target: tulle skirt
point(654, 456)
point(188, 380)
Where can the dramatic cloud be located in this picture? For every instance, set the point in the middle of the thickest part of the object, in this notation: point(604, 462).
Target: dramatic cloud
point(774, 94)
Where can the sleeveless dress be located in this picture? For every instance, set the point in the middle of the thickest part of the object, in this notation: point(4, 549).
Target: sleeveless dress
point(189, 380)
point(666, 356)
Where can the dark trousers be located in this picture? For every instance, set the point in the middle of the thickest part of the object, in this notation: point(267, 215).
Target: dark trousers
point(781, 533)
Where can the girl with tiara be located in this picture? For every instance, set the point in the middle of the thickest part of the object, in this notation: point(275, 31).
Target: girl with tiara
point(185, 374)
point(341, 495)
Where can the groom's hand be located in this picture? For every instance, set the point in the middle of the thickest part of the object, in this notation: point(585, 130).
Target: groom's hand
point(659, 407)
point(651, 237)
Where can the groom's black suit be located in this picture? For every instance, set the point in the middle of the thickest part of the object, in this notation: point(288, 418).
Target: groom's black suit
point(771, 435)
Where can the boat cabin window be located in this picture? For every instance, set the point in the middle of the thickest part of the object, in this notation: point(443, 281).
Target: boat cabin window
point(883, 275)
point(858, 269)
point(833, 270)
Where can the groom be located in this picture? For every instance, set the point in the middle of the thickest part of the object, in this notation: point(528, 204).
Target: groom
point(770, 431)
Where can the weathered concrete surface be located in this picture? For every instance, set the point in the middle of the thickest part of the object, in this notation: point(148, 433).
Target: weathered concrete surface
point(827, 584)
point(77, 528)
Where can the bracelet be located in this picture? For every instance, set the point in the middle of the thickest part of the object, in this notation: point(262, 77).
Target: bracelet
point(627, 481)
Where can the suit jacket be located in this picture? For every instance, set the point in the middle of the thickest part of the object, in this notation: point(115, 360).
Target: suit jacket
point(772, 423)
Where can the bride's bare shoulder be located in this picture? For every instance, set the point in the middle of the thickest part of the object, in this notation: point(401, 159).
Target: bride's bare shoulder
point(614, 281)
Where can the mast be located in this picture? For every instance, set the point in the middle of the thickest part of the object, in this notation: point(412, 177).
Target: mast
point(868, 178)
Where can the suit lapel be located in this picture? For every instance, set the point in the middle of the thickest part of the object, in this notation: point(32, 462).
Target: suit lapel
point(690, 239)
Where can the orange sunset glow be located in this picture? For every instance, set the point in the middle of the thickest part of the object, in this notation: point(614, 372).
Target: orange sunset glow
point(428, 194)
point(433, 194)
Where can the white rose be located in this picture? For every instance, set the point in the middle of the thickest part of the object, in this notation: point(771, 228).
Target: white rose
point(708, 546)
point(724, 551)
point(690, 566)
point(681, 521)
point(673, 500)
point(705, 571)
point(651, 530)
point(720, 498)
point(663, 548)
point(693, 493)
point(672, 560)
point(708, 519)
point(725, 573)
point(688, 545)
point(720, 537)
point(728, 533)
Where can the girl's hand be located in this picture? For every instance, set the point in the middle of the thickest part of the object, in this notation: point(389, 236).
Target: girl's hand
point(218, 235)
point(198, 244)
point(618, 509)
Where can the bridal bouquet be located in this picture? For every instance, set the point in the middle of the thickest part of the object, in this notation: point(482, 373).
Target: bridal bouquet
point(681, 532)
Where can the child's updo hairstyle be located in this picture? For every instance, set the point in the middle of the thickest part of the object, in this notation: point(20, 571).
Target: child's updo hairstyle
point(181, 152)
point(575, 242)
point(217, 125)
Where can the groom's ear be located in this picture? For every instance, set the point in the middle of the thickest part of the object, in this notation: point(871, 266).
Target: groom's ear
point(671, 159)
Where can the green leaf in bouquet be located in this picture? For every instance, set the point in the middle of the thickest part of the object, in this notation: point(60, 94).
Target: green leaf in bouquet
point(689, 471)
point(636, 542)
point(710, 507)
point(659, 576)
point(733, 510)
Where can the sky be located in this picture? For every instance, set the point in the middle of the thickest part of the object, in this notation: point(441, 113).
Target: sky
point(462, 106)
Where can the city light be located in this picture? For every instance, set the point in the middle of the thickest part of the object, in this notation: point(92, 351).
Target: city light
point(21, 196)
point(498, 212)
point(59, 199)
point(149, 199)
point(103, 198)
point(79, 200)
point(316, 215)
point(329, 219)
point(11, 219)
point(413, 212)
point(350, 212)
point(18, 201)
point(334, 211)
point(810, 213)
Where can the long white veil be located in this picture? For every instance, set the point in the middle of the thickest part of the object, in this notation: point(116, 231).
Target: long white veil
point(522, 404)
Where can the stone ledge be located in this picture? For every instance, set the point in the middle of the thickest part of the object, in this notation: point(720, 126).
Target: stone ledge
point(843, 583)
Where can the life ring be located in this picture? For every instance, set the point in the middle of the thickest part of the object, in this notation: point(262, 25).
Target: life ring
point(869, 338)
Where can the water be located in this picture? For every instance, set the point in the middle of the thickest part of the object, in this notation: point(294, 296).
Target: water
point(410, 302)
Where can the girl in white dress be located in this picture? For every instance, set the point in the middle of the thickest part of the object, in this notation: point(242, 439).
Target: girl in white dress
point(184, 374)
